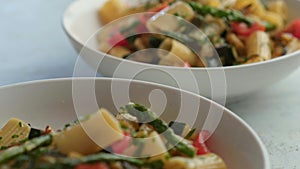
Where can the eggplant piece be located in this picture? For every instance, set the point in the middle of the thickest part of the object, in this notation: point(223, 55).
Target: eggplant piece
point(35, 133)
point(226, 55)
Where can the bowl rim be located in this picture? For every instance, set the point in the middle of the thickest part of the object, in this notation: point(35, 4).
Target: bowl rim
point(69, 33)
point(257, 139)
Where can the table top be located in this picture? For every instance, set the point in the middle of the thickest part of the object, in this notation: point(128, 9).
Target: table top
point(33, 46)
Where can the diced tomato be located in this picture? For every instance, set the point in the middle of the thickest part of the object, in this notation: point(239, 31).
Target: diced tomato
point(143, 21)
point(186, 64)
point(294, 28)
point(159, 7)
point(199, 142)
point(99, 165)
point(120, 146)
point(243, 29)
point(118, 40)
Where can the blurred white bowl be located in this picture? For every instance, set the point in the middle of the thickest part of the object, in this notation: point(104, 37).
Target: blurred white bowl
point(80, 22)
point(52, 102)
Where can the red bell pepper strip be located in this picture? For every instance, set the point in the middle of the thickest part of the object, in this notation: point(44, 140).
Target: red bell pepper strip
point(120, 146)
point(294, 28)
point(243, 29)
point(199, 142)
point(159, 7)
point(118, 39)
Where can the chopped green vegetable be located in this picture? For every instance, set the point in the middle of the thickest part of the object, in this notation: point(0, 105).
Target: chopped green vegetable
point(15, 136)
point(34, 133)
point(144, 115)
point(26, 147)
point(99, 157)
point(229, 15)
point(269, 26)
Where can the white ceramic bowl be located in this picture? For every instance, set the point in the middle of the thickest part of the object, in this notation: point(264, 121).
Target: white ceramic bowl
point(51, 102)
point(80, 22)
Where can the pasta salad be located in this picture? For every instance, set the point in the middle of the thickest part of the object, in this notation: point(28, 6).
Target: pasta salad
point(106, 141)
point(240, 31)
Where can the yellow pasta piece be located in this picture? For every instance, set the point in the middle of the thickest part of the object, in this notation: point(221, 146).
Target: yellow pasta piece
point(209, 161)
point(14, 132)
point(259, 46)
point(177, 49)
point(273, 17)
point(279, 7)
point(151, 146)
point(241, 4)
point(111, 10)
point(119, 51)
point(214, 3)
point(98, 131)
point(254, 7)
point(183, 10)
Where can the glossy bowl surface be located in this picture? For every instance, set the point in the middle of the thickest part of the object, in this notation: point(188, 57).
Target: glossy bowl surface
point(53, 102)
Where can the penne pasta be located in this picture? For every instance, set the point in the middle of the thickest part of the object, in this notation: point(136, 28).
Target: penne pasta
point(259, 46)
point(14, 132)
point(84, 138)
point(279, 7)
point(111, 10)
point(119, 51)
point(177, 49)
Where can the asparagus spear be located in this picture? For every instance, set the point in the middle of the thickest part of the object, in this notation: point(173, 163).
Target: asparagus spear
point(144, 115)
point(101, 157)
point(230, 15)
point(66, 163)
point(26, 147)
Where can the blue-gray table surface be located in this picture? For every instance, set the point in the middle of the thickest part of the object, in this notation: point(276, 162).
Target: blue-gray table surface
point(33, 46)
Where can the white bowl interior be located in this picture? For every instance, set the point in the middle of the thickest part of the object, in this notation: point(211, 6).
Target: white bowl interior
point(81, 23)
point(51, 103)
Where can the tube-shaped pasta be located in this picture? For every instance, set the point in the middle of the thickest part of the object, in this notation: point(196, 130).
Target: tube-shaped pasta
point(111, 10)
point(209, 161)
point(236, 42)
point(214, 3)
point(147, 147)
point(175, 48)
point(84, 138)
point(119, 51)
point(139, 44)
point(279, 7)
point(272, 17)
point(259, 46)
point(253, 6)
point(293, 46)
point(227, 3)
point(169, 23)
point(14, 132)
point(182, 9)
